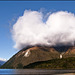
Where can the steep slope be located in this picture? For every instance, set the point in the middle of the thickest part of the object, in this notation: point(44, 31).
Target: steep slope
point(31, 55)
point(70, 52)
point(65, 63)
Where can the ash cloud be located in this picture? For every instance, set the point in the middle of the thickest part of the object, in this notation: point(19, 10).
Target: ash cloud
point(31, 29)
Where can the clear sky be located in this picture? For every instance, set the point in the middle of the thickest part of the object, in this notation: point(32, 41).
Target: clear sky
point(11, 10)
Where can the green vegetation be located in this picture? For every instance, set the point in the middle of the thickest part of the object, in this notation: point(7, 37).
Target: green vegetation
point(19, 66)
point(64, 63)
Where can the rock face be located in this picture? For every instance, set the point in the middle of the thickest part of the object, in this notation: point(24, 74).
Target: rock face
point(31, 55)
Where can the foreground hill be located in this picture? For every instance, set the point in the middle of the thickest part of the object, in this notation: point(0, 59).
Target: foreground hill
point(65, 63)
point(31, 55)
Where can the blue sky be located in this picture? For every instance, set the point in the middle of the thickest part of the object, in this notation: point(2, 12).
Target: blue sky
point(11, 10)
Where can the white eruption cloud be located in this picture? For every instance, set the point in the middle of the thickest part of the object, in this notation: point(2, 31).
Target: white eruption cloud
point(31, 29)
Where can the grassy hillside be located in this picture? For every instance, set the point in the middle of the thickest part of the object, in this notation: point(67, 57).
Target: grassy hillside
point(65, 63)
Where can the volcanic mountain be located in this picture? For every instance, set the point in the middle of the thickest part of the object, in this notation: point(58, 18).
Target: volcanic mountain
point(33, 54)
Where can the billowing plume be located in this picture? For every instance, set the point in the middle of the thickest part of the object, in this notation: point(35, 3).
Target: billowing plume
point(32, 29)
